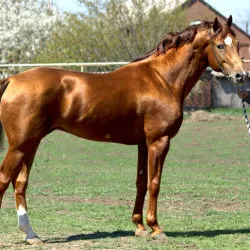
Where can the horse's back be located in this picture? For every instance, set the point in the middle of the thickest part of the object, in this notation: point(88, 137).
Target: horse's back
point(105, 107)
point(93, 106)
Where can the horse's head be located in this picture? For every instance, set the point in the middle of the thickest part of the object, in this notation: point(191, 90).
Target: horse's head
point(222, 52)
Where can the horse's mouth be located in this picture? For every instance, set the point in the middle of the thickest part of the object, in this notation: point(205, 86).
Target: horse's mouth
point(237, 79)
point(238, 83)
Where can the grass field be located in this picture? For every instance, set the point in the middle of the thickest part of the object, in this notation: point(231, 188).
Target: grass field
point(81, 193)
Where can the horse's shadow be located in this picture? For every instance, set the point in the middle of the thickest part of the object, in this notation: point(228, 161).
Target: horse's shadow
point(91, 236)
point(208, 233)
point(118, 234)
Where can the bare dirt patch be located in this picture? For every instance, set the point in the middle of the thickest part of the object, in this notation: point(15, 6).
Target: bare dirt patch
point(204, 116)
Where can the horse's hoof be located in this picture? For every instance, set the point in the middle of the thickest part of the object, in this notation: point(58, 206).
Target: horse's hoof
point(34, 241)
point(160, 236)
point(142, 233)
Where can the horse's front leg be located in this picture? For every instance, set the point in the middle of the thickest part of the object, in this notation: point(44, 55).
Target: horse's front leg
point(141, 185)
point(157, 152)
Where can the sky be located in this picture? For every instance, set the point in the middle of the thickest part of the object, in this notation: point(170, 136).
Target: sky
point(67, 5)
point(239, 9)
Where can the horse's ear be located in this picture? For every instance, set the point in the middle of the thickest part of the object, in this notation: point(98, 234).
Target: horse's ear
point(229, 21)
point(216, 24)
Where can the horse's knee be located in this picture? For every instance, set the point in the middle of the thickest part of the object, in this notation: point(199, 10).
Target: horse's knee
point(154, 188)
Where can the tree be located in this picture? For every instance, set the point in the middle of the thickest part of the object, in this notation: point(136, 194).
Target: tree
point(25, 26)
point(112, 30)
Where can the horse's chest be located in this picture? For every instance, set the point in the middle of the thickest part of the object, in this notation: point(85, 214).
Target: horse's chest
point(164, 121)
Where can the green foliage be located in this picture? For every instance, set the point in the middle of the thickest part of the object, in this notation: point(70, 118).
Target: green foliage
point(111, 30)
point(229, 111)
point(25, 25)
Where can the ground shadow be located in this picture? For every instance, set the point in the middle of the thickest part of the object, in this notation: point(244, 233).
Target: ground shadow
point(208, 233)
point(91, 236)
point(118, 234)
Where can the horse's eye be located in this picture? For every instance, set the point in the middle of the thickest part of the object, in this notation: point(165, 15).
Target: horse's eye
point(220, 46)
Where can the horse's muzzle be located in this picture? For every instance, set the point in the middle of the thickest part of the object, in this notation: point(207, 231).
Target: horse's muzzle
point(241, 77)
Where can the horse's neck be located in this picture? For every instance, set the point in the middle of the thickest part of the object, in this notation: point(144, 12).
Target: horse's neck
point(181, 69)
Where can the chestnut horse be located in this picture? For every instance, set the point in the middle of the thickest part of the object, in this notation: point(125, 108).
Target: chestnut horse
point(140, 103)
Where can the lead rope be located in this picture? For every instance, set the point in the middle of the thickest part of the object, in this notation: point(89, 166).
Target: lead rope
point(246, 117)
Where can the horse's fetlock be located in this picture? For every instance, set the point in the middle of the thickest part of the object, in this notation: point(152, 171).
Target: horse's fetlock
point(151, 220)
point(23, 228)
point(136, 218)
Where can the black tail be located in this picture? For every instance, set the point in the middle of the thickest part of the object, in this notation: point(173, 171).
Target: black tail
point(3, 85)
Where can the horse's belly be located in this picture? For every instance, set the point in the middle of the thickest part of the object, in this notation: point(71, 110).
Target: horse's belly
point(125, 132)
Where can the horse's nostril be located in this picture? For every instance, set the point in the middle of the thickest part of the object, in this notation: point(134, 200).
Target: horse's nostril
point(241, 77)
point(238, 76)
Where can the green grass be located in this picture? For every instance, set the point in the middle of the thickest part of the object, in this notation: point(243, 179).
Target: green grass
point(228, 111)
point(81, 193)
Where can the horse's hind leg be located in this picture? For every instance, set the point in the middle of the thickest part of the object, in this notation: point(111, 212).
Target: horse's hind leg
point(15, 168)
point(20, 184)
point(9, 168)
point(141, 185)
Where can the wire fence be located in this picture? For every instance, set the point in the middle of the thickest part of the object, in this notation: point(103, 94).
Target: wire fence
point(8, 69)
